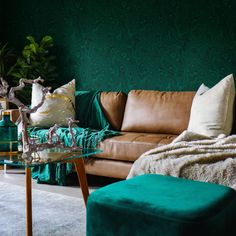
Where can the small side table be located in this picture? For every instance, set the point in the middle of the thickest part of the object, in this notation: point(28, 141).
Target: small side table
point(47, 156)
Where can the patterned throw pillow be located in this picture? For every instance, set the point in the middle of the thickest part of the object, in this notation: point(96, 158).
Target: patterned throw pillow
point(57, 105)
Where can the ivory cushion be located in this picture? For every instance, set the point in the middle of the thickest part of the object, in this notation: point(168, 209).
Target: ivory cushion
point(212, 109)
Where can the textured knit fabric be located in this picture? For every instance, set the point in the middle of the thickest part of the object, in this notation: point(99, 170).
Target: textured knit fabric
point(192, 156)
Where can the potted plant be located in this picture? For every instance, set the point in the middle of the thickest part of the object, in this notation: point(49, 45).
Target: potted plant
point(35, 60)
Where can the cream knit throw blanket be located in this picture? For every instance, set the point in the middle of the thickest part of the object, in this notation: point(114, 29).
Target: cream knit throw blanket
point(192, 156)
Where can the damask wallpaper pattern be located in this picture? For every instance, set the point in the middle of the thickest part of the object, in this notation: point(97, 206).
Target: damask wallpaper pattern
point(132, 44)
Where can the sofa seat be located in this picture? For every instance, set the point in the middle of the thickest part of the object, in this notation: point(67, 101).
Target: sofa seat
point(129, 146)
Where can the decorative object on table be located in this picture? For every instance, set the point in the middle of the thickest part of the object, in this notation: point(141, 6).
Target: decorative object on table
point(57, 105)
point(28, 145)
point(71, 122)
point(8, 131)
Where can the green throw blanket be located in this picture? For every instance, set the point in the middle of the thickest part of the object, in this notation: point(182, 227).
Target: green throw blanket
point(93, 128)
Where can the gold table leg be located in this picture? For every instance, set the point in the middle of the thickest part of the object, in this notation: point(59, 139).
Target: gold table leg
point(28, 202)
point(80, 169)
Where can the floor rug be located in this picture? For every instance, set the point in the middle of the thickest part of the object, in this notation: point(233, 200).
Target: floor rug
point(53, 214)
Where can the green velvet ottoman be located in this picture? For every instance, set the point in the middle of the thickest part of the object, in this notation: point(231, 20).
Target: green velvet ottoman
point(161, 206)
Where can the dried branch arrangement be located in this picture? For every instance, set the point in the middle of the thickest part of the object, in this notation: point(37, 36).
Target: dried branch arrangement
point(29, 145)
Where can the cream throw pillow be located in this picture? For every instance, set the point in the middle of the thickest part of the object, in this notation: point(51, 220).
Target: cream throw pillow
point(212, 109)
point(57, 105)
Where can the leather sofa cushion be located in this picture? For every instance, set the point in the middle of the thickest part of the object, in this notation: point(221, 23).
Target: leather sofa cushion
point(113, 105)
point(129, 146)
point(157, 112)
point(108, 168)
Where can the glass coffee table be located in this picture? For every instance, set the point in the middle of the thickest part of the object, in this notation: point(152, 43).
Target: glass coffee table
point(47, 156)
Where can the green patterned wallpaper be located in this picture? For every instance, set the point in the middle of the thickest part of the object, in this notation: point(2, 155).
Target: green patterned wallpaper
point(132, 44)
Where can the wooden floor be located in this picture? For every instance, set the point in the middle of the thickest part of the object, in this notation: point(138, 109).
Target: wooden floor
point(17, 177)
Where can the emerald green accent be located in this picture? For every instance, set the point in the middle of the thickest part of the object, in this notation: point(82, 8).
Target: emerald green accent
point(90, 115)
point(161, 205)
point(8, 133)
point(131, 44)
point(88, 110)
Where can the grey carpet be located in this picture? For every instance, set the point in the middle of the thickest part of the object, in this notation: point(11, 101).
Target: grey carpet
point(53, 214)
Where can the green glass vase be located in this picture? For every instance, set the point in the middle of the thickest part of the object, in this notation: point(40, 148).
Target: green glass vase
point(8, 134)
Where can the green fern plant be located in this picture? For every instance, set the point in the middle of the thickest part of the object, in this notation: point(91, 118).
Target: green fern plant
point(36, 60)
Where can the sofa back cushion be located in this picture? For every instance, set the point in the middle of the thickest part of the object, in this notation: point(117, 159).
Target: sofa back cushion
point(113, 105)
point(157, 112)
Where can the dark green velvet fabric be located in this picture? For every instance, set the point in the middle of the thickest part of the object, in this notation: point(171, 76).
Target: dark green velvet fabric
point(161, 206)
point(95, 128)
point(131, 44)
point(88, 110)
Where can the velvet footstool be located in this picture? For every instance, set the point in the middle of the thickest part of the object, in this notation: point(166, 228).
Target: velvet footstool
point(161, 206)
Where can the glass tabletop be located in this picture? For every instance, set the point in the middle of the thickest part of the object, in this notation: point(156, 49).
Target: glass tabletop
point(46, 156)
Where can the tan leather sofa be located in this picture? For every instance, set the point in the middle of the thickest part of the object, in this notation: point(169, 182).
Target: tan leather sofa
point(146, 119)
